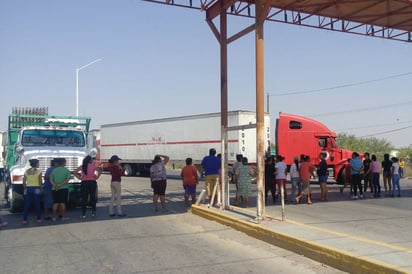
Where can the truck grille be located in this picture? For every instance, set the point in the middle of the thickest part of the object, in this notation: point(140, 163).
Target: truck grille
point(71, 163)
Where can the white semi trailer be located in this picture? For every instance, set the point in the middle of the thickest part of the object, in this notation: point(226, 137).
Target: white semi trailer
point(136, 143)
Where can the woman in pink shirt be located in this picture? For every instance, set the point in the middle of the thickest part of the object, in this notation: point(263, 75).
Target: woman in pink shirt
point(376, 168)
point(88, 172)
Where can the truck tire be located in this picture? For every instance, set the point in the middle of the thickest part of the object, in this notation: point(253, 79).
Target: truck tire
point(129, 170)
point(15, 205)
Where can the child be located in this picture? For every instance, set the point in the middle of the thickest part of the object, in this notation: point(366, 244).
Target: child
point(190, 179)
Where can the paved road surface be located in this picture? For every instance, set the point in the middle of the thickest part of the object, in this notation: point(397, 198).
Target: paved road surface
point(144, 242)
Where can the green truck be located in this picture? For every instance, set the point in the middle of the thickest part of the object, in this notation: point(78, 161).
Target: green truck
point(32, 133)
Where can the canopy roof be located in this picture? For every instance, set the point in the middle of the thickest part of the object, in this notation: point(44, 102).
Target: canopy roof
point(390, 19)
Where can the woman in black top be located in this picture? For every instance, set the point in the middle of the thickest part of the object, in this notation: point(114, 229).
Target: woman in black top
point(387, 174)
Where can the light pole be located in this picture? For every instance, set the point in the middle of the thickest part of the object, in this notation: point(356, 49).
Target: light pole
point(77, 83)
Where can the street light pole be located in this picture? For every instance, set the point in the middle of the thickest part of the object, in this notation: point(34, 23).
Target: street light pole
point(77, 83)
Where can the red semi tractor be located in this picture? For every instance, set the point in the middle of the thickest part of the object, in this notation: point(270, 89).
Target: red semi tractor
point(296, 135)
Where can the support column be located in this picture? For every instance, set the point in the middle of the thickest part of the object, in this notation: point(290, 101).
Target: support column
point(260, 128)
point(224, 106)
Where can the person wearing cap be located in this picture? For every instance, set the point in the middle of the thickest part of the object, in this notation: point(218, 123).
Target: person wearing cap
point(158, 180)
point(117, 172)
point(32, 183)
point(88, 173)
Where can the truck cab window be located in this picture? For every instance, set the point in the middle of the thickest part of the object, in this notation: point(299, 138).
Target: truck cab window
point(322, 143)
point(295, 125)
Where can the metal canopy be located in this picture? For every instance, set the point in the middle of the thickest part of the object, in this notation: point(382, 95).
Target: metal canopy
point(389, 19)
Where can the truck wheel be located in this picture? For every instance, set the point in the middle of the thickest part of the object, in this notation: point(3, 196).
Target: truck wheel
point(129, 170)
point(15, 205)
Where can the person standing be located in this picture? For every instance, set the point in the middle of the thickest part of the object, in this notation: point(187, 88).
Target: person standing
point(295, 178)
point(387, 173)
point(356, 167)
point(270, 179)
point(116, 171)
point(401, 168)
point(305, 172)
point(322, 172)
point(32, 184)
point(367, 174)
point(236, 166)
point(158, 180)
point(190, 180)
point(281, 170)
point(88, 173)
point(59, 179)
point(395, 177)
point(47, 190)
point(211, 165)
point(375, 170)
point(245, 175)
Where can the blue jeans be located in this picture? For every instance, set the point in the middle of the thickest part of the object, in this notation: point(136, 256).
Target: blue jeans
point(31, 194)
point(376, 184)
point(395, 183)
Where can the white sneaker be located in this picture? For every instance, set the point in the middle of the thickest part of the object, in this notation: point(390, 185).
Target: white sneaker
point(361, 196)
point(356, 197)
point(353, 197)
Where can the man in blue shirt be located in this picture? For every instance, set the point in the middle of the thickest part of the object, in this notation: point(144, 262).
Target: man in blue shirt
point(211, 165)
point(356, 168)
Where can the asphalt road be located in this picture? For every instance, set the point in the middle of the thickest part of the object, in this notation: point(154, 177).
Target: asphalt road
point(143, 242)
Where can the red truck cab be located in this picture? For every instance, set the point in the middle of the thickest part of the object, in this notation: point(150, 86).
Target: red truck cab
point(297, 135)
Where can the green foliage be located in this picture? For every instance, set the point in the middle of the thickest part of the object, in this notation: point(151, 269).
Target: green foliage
point(372, 145)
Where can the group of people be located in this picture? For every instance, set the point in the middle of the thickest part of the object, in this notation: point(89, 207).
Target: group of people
point(55, 187)
point(57, 176)
point(300, 171)
point(369, 171)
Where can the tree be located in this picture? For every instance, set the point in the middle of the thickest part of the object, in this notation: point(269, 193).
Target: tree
point(372, 145)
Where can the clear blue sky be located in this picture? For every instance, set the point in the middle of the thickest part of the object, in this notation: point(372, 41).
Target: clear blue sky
point(161, 61)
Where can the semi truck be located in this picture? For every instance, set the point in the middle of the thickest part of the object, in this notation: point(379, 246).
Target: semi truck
point(297, 135)
point(192, 136)
point(32, 133)
point(136, 143)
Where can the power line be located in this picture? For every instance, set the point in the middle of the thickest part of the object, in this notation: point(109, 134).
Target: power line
point(364, 109)
point(341, 86)
point(376, 125)
point(384, 132)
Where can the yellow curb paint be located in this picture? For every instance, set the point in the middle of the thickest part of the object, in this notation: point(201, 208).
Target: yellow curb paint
point(340, 234)
point(339, 259)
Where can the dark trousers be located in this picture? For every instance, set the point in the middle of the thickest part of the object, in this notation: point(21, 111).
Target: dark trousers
point(89, 189)
point(357, 183)
point(270, 186)
point(31, 195)
point(376, 184)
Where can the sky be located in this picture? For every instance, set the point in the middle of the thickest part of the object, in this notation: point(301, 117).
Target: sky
point(161, 61)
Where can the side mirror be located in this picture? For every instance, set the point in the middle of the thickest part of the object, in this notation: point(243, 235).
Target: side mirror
point(93, 152)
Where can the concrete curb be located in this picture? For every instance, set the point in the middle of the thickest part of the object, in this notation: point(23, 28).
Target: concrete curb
point(330, 256)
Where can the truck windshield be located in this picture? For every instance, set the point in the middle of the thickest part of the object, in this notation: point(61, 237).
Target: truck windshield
point(38, 137)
